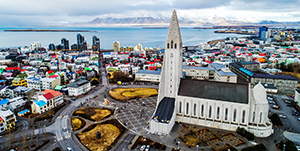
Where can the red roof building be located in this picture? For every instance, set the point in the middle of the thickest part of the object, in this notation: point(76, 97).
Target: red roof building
point(12, 68)
point(48, 96)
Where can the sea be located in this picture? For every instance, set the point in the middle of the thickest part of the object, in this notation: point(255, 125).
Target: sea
point(126, 36)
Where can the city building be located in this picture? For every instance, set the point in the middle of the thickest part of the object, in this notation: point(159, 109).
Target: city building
point(65, 44)
point(147, 75)
point(284, 84)
point(201, 73)
point(34, 83)
point(79, 87)
point(57, 96)
point(116, 46)
point(223, 74)
point(80, 42)
point(208, 103)
point(51, 46)
point(2, 125)
point(39, 107)
point(297, 97)
point(48, 98)
point(96, 43)
point(19, 82)
point(50, 82)
point(9, 118)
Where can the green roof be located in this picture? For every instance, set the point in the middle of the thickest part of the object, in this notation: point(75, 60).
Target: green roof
point(58, 87)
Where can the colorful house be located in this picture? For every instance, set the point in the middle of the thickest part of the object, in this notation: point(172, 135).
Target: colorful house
point(9, 118)
point(19, 82)
point(57, 96)
point(39, 107)
point(2, 125)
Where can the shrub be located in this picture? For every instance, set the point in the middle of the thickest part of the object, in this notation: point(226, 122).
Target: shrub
point(290, 146)
point(275, 119)
point(245, 133)
point(260, 147)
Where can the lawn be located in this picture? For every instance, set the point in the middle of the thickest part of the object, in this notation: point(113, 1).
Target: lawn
point(130, 93)
point(94, 114)
point(77, 123)
point(109, 133)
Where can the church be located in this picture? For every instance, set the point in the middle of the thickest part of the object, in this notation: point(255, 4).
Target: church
point(207, 103)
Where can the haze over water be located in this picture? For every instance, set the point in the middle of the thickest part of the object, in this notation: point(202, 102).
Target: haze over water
point(127, 36)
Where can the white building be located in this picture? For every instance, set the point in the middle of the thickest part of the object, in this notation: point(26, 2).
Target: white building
point(50, 82)
point(223, 74)
point(79, 87)
point(34, 83)
point(39, 107)
point(147, 75)
point(9, 118)
point(207, 103)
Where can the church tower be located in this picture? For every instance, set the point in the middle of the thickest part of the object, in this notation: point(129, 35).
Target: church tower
point(163, 119)
point(172, 64)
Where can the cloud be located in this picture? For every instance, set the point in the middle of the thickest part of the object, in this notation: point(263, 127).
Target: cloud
point(16, 12)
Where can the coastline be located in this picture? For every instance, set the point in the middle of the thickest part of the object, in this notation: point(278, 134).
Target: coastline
point(45, 30)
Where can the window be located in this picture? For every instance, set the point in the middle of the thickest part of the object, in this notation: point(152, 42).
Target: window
point(243, 116)
point(172, 44)
point(180, 107)
point(218, 112)
point(168, 45)
point(195, 108)
point(234, 115)
point(260, 117)
point(209, 112)
point(175, 46)
point(187, 108)
point(253, 119)
point(171, 86)
point(202, 110)
point(226, 114)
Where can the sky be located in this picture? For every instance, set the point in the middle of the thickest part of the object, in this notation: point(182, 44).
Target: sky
point(57, 12)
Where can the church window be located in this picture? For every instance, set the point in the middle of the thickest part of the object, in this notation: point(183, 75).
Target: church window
point(168, 45)
point(171, 86)
point(172, 44)
point(253, 119)
point(218, 112)
point(243, 116)
point(260, 117)
point(202, 110)
point(175, 46)
point(226, 113)
point(170, 91)
point(234, 115)
point(187, 108)
point(180, 107)
point(195, 109)
point(209, 112)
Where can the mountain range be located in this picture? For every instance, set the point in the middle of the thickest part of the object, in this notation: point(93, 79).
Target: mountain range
point(164, 21)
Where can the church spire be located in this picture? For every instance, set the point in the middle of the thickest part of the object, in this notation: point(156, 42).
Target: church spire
point(174, 31)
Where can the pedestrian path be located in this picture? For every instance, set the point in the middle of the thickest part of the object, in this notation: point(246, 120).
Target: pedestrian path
point(294, 137)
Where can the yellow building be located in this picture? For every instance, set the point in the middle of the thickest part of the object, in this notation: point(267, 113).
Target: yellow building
point(19, 82)
point(116, 46)
point(130, 48)
point(9, 118)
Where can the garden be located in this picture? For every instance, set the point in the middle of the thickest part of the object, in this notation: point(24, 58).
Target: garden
point(123, 94)
point(93, 114)
point(77, 123)
point(110, 131)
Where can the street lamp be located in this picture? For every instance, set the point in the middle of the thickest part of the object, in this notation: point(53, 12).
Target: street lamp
point(197, 147)
point(283, 147)
point(178, 144)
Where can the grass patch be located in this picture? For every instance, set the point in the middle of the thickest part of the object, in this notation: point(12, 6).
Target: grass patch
point(93, 114)
point(77, 123)
point(130, 93)
point(109, 133)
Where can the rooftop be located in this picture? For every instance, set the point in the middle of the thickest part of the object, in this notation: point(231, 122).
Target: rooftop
point(48, 96)
point(222, 91)
point(149, 72)
point(40, 103)
point(197, 68)
point(4, 101)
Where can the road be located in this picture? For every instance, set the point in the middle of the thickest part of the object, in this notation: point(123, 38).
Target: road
point(64, 139)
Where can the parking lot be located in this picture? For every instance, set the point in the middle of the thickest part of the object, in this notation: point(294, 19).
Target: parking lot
point(290, 122)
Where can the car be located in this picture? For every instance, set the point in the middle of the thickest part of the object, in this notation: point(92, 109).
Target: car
point(69, 149)
point(271, 101)
point(142, 147)
point(64, 129)
point(299, 119)
point(147, 148)
point(269, 98)
point(289, 105)
point(287, 102)
point(275, 107)
point(282, 115)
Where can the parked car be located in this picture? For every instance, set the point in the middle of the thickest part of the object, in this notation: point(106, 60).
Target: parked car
point(64, 129)
point(287, 101)
point(282, 115)
point(299, 119)
point(269, 98)
point(275, 107)
point(69, 149)
point(147, 148)
point(142, 147)
point(289, 105)
point(271, 101)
